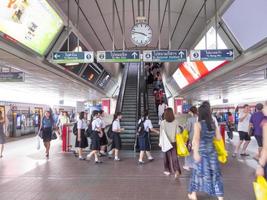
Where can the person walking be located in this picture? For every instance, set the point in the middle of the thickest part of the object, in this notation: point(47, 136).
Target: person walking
point(170, 127)
point(2, 134)
point(190, 128)
point(96, 134)
point(81, 139)
point(206, 174)
point(116, 140)
point(46, 128)
point(243, 130)
point(103, 139)
point(256, 126)
point(145, 126)
point(262, 164)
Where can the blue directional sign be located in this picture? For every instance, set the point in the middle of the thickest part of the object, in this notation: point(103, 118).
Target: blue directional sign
point(212, 55)
point(165, 56)
point(118, 56)
point(73, 57)
point(12, 76)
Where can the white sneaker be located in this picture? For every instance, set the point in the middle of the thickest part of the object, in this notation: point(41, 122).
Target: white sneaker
point(117, 159)
point(88, 157)
point(167, 173)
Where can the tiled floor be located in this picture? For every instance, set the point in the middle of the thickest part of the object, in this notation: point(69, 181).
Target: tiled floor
point(26, 175)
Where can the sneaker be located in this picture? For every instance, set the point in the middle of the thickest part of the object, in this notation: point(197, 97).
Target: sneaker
point(167, 173)
point(98, 161)
point(81, 158)
point(141, 162)
point(186, 168)
point(150, 159)
point(117, 159)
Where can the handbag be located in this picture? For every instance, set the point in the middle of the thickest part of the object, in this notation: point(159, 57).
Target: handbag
point(164, 142)
point(40, 133)
point(54, 136)
point(260, 188)
point(38, 146)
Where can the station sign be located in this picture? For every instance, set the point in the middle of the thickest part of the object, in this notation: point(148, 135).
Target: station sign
point(12, 76)
point(212, 55)
point(118, 56)
point(165, 56)
point(73, 57)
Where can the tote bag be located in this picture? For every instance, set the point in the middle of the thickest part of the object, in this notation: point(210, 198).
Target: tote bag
point(164, 142)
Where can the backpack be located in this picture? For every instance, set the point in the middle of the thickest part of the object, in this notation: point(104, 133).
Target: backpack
point(141, 128)
point(89, 130)
point(75, 129)
point(110, 132)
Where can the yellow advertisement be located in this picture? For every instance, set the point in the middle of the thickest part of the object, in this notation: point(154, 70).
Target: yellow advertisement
point(31, 22)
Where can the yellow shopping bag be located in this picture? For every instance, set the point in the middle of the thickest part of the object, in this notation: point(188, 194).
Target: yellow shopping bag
point(260, 188)
point(185, 135)
point(221, 151)
point(180, 146)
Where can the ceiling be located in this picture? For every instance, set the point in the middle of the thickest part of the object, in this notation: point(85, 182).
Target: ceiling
point(42, 85)
point(95, 21)
point(244, 84)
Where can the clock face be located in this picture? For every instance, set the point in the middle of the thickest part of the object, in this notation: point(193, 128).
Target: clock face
point(141, 34)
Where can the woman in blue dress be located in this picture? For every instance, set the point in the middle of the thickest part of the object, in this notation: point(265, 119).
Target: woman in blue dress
point(206, 175)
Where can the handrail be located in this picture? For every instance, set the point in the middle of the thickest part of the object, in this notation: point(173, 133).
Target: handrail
point(122, 89)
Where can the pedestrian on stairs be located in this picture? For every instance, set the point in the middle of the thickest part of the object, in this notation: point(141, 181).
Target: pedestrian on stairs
point(144, 128)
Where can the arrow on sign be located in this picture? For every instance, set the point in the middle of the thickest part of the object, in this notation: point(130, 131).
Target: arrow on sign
point(134, 54)
point(56, 56)
point(230, 53)
point(181, 54)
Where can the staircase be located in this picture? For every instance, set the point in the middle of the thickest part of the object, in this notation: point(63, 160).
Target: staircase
point(153, 115)
point(129, 108)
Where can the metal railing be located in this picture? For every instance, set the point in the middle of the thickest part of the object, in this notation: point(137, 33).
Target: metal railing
point(122, 89)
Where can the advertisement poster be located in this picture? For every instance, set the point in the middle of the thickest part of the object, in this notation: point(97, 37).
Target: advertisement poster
point(30, 22)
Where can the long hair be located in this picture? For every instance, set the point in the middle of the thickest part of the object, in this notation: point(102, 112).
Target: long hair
point(116, 115)
point(204, 114)
point(145, 116)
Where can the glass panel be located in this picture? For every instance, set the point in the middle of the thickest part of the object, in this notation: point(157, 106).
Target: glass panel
point(246, 19)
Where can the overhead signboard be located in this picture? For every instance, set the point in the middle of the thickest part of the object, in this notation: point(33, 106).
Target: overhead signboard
point(32, 23)
point(12, 76)
point(118, 56)
point(73, 57)
point(212, 55)
point(165, 56)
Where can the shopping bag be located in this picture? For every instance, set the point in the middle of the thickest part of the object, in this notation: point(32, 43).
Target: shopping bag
point(181, 146)
point(221, 151)
point(164, 142)
point(38, 146)
point(260, 188)
point(185, 135)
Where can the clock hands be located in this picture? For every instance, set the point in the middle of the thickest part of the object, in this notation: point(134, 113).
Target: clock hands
point(139, 33)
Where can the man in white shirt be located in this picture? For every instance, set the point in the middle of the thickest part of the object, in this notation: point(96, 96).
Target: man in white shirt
point(243, 130)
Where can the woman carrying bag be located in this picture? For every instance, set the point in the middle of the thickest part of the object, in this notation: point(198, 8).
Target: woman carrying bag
point(168, 129)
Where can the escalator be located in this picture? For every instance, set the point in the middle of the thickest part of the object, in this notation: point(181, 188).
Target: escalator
point(129, 107)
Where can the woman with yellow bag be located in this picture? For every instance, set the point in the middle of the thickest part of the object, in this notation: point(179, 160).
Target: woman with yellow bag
point(188, 161)
point(206, 174)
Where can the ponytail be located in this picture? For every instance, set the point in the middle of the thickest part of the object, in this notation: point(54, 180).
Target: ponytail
point(116, 115)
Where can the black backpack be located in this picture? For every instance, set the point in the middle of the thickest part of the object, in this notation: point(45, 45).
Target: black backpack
point(110, 132)
point(141, 128)
point(75, 129)
point(89, 130)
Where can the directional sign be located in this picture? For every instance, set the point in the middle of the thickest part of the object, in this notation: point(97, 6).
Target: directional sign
point(118, 56)
point(165, 56)
point(11, 76)
point(212, 55)
point(73, 57)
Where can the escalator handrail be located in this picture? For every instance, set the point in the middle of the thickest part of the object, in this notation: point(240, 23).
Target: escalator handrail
point(122, 89)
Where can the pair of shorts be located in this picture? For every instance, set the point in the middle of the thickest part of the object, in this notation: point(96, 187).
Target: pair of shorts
point(259, 140)
point(116, 142)
point(244, 136)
